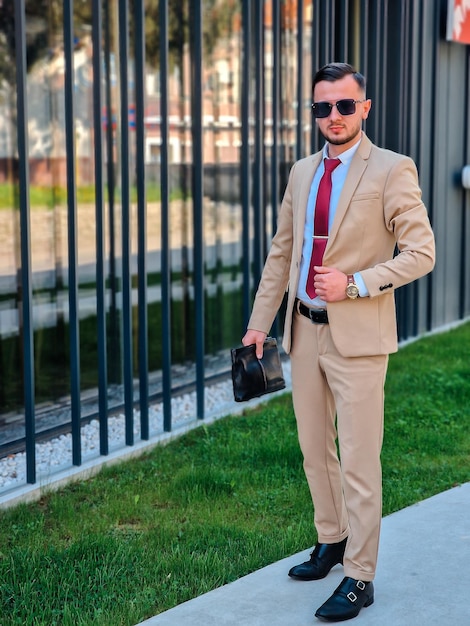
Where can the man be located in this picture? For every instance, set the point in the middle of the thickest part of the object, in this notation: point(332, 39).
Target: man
point(340, 323)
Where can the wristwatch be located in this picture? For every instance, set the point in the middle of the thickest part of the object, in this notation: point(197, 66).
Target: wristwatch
point(352, 290)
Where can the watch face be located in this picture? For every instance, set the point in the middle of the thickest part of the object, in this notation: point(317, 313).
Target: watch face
point(352, 291)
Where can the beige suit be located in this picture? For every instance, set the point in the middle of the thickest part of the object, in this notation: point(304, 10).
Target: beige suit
point(340, 368)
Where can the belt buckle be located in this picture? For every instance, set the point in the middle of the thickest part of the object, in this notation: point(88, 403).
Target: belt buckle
point(317, 316)
point(311, 314)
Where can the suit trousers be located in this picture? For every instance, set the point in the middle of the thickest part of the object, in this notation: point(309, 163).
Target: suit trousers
point(339, 406)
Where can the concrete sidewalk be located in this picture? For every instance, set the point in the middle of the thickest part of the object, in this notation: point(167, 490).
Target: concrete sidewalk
point(423, 578)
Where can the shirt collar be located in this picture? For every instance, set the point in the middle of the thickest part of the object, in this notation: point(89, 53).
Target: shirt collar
point(346, 156)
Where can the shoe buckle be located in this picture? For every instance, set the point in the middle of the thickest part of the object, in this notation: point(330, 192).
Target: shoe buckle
point(351, 597)
point(361, 585)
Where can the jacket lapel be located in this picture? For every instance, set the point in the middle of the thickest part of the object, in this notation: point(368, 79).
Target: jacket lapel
point(304, 177)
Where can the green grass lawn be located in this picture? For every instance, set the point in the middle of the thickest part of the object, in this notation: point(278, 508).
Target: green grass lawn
point(219, 502)
point(52, 196)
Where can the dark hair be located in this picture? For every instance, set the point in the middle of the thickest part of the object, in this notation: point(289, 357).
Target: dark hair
point(335, 71)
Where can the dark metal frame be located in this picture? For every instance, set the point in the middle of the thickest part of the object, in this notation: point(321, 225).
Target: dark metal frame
point(26, 290)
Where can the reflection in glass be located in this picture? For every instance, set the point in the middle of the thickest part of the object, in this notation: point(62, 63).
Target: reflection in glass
point(221, 92)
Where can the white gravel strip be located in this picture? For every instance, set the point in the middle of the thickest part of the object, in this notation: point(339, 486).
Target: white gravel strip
point(55, 456)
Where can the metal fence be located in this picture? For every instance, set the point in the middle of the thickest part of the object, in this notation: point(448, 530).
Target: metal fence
point(183, 119)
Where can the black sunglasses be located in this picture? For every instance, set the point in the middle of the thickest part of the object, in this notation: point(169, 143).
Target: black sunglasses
point(345, 107)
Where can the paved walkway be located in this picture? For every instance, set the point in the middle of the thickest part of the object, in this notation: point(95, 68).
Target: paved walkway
point(423, 578)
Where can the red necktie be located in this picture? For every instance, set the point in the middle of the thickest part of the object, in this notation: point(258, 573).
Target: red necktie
point(320, 227)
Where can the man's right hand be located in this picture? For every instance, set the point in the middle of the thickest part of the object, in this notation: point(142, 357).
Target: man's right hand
point(257, 337)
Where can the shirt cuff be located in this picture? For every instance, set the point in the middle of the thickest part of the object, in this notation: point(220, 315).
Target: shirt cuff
point(363, 291)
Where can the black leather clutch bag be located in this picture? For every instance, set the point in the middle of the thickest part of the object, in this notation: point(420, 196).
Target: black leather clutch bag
point(253, 377)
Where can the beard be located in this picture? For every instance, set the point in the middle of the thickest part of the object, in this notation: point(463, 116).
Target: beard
point(337, 140)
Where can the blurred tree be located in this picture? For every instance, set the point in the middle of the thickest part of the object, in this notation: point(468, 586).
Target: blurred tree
point(44, 26)
point(217, 22)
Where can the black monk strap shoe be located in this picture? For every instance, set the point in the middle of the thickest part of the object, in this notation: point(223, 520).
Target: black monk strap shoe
point(347, 600)
point(322, 559)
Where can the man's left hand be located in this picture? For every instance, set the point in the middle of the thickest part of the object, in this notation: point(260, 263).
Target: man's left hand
point(330, 284)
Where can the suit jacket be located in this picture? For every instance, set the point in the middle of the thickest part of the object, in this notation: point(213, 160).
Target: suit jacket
point(380, 207)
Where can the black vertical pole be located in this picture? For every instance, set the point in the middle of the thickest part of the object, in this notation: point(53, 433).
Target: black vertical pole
point(26, 291)
point(316, 64)
point(114, 344)
point(276, 35)
point(364, 36)
point(72, 233)
point(343, 23)
point(300, 74)
point(97, 33)
point(165, 208)
point(258, 173)
point(126, 224)
point(246, 160)
point(276, 44)
point(141, 216)
point(198, 209)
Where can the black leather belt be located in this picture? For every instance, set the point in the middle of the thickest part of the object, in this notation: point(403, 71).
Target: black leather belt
point(316, 316)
